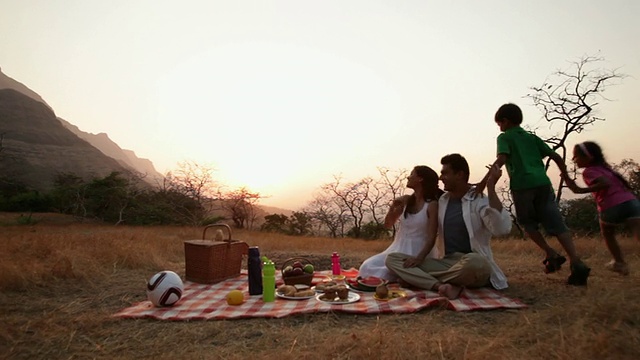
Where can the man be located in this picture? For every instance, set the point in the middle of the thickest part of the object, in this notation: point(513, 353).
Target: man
point(466, 223)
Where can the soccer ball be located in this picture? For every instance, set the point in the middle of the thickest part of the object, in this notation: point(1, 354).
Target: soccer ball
point(164, 288)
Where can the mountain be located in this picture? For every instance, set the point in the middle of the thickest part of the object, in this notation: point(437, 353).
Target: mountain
point(36, 146)
point(126, 158)
point(9, 83)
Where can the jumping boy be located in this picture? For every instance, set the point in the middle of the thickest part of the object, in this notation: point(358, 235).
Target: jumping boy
point(531, 190)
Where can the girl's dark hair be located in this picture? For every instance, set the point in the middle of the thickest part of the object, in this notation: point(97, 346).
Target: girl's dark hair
point(597, 158)
point(430, 188)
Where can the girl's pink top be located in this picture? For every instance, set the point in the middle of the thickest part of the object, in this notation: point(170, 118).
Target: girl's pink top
point(615, 194)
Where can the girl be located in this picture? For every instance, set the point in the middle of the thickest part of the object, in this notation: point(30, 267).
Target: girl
point(418, 217)
point(615, 201)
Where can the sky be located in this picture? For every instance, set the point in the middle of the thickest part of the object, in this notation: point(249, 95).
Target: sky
point(281, 96)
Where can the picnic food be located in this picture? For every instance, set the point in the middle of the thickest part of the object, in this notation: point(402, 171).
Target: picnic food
point(382, 291)
point(235, 297)
point(292, 291)
point(287, 290)
point(297, 271)
point(287, 271)
point(370, 283)
point(308, 269)
point(391, 294)
point(343, 292)
point(335, 293)
point(304, 293)
point(324, 285)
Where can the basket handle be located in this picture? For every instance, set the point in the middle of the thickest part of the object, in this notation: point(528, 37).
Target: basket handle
point(204, 232)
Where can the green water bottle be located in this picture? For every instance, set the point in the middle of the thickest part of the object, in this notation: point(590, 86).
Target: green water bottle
point(268, 281)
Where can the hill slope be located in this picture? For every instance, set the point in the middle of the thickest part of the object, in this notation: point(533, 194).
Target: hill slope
point(126, 158)
point(36, 146)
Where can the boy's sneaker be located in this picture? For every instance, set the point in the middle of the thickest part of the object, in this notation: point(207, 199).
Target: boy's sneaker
point(579, 274)
point(620, 267)
point(553, 264)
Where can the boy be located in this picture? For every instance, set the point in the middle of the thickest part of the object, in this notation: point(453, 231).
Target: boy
point(531, 190)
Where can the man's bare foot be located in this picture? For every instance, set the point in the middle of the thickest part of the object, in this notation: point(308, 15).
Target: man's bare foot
point(449, 291)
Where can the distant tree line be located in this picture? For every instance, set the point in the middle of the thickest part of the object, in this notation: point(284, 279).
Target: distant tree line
point(186, 196)
point(340, 208)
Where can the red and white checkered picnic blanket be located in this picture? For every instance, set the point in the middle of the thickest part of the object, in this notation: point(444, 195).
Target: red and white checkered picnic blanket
point(204, 302)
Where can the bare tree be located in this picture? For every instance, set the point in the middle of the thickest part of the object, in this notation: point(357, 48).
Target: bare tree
point(327, 214)
point(376, 200)
point(352, 197)
point(196, 182)
point(568, 98)
point(394, 181)
point(339, 205)
point(507, 202)
point(241, 204)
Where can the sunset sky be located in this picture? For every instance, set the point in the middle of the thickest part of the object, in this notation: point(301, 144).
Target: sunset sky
point(280, 96)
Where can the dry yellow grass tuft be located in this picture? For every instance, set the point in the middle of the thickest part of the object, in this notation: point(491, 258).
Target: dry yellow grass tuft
point(60, 284)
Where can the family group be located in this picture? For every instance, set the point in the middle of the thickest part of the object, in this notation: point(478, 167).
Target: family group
point(443, 239)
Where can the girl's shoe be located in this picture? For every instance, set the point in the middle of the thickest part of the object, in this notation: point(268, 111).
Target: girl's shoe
point(620, 267)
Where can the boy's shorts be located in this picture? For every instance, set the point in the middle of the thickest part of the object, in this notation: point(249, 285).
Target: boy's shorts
point(620, 213)
point(538, 206)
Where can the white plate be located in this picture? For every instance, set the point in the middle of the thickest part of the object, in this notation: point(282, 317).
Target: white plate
point(293, 297)
point(353, 297)
point(353, 288)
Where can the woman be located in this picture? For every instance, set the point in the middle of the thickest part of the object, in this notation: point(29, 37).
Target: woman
point(418, 216)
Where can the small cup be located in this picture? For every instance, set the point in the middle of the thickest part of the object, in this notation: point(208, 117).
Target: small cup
point(338, 279)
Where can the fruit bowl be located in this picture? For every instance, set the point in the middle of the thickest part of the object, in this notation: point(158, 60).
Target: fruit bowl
point(297, 270)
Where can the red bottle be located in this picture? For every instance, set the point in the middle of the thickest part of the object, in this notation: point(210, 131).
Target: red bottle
point(335, 264)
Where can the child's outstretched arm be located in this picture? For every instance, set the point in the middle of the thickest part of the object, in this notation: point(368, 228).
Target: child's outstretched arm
point(501, 159)
point(598, 184)
point(559, 161)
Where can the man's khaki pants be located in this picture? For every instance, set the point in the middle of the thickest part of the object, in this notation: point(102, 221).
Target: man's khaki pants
point(469, 270)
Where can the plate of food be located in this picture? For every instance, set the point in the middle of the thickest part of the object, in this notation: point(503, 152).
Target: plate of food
point(291, 292)
point(391, 294)
point(323, 285)
point(368, 284)
point(351, 298)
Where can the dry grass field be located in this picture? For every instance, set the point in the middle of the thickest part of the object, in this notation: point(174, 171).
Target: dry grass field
point(60, 282)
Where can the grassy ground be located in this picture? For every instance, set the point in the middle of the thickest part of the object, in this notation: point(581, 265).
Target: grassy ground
point(60, 283)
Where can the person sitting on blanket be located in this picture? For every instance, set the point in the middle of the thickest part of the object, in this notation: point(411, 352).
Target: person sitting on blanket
point(418, 219)
point(466, 223)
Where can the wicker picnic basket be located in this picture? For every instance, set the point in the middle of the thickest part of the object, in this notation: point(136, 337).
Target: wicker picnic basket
point(209, 262)
point(304, 279)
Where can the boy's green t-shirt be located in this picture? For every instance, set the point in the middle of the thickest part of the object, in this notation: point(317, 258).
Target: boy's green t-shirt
point(525, 152)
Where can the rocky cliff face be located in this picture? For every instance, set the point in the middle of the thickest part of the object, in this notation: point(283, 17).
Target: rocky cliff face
point(36, 146)
point(9, 83)
point(126, 159)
